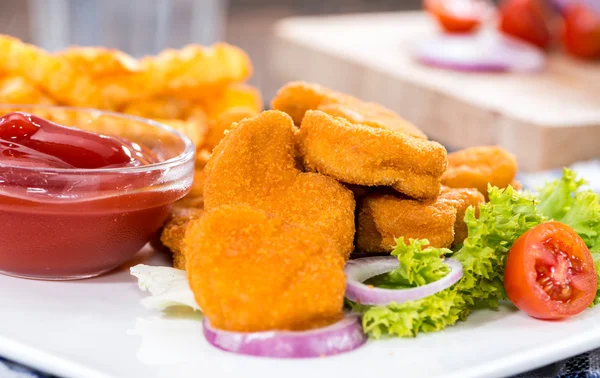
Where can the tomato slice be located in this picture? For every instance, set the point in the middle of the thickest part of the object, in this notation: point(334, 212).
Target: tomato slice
point(458, 16)
point(581, 34)
point(526, 20)
point(550, 272)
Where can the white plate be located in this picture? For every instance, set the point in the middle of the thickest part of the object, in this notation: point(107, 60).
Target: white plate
point(97, 329)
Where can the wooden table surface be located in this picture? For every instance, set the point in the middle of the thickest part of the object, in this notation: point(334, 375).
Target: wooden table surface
point(548, 119)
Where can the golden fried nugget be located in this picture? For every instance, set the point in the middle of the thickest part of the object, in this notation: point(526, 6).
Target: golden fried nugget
point(99, 61)
point(195, 68)
point(55, 76)
point(382, 218)
point(165, 107)
point(173, 233)
point(362, 155)
point(236, 95)
point(477, 166)
point(270, 273)
point(461, 199)
point(296, 98)
point(19, 90)
point(254, 164)
point(217, 128)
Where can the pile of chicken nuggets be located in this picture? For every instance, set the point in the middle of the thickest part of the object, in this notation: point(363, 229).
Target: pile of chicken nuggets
point(197, 90)
point(291, 193)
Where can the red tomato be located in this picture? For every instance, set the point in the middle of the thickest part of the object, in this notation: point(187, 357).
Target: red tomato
point(550, 272)
point(581, 34)
point(526, 20)
point(457, 16)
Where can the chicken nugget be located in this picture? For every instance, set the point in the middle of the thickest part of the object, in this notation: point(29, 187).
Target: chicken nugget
point(296, 98)
point(255, 165)
point(382, 218)
point(477, 167)
point(270, 273)
point(173, 234)
point(461, 199)
point(363, 155)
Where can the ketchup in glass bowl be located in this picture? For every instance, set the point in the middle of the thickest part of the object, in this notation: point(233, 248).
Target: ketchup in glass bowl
point(82, 191)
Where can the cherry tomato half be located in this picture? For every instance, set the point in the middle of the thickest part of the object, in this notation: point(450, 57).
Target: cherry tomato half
point(458, 16)
point(581, 34)
point(550, 272)
point(526, 20)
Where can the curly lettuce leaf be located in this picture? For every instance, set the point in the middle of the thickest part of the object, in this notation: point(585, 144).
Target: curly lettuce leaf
point(564, 201)
point(501, 221)
point(408, 319)
point(419, 264)
point(506, 216)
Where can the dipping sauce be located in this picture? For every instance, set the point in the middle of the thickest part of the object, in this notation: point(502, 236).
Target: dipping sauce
point(28, 140)
point(64, 215)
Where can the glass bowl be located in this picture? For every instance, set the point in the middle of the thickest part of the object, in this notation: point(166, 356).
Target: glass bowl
point(63, 224)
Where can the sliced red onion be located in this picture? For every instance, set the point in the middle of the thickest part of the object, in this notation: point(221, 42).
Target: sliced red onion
point(360, 270)
point(561, 5)
point(481, 52)
point(340, 337)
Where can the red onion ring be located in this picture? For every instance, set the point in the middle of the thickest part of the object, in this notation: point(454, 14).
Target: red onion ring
point(360, 270)
point(482, 52)
point(340, 337)
point(561, 5)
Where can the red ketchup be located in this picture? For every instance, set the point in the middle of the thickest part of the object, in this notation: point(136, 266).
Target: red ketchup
point(62, 218)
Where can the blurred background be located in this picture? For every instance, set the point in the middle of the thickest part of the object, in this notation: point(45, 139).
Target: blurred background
point(142, 27)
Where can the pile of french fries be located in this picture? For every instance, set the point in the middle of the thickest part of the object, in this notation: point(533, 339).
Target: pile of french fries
point(197, 90)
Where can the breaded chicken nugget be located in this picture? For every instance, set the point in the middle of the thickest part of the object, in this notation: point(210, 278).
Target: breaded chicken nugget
point(363, 155)
point(267, 273)
point(254, 164)
point(173, 233)
point(382, 218)
point(461, 199)
point(477, 166)
point(296, 98)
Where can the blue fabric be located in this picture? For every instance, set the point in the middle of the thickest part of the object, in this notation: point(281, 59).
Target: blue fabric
point(586, 365)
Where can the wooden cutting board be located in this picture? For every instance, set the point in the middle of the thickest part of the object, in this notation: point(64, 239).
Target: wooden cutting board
point(547, 120)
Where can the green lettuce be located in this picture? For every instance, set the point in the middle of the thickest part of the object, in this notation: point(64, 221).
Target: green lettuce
point(418, 265)
point(408, 319)
point(564, 201)
point(506, 216)
point(501, 221)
